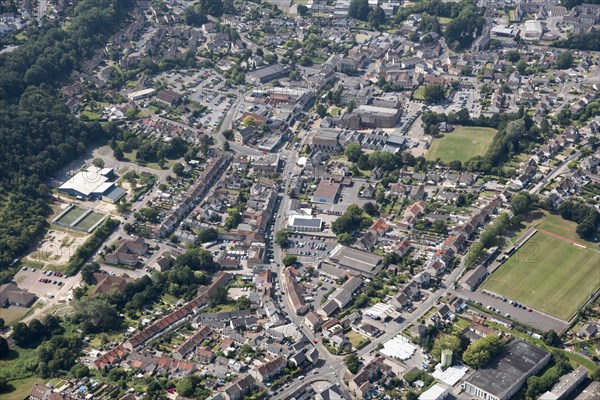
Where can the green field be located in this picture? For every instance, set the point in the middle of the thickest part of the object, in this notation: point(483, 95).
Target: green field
point(548, 274)
point(89, 221)
point(463, 143)
point(554, 223)
point(71, 216)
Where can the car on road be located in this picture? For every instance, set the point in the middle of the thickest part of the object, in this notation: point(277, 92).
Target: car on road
point(301, 377)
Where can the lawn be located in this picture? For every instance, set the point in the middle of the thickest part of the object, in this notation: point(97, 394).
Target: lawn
point(357, 340)
point(89, 221)
point(464, 143)
point(548, 274)
point(20, 389)
point(418, 94)
point(13, 314)
point(71, 216)
point(554, 223)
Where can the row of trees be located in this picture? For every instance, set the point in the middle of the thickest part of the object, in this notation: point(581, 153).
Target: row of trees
point(583, 41)
point(93, 243)
point(489, 237)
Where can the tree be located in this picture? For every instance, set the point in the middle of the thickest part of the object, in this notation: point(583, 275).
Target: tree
point(352, 220)
point(22, 335)
point(185, 388)
point(220, 297)
point(228, 134)
point(249, 121)
point(359, 9)
point(440, 227)
point(522, 203)
point(595, 375)
point(79, 371)
point(445, 342)
point(233, 220)
point(281, 238)
point(474, 254)
point(178, 169)
point(4, 349)
point(513, 56)
point(213, 7)
point(118, 154)
point(87, 272)
point(564, 60)
point(481, 352)
point(243, 303)
point(353, 151)
point(371, 209)
point(344, 238)
point(521, 66)
point(208, 235)
point(551, 338)
point(154, 391)
point(226, 146)
point(302, 9)
point(96, 314)
point(352, 363)
point(434, 93)
point(290, 259)
point(376, 17)
point(98, 162)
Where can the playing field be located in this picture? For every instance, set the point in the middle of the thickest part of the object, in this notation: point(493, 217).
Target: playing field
point(548, 274)
point(71, 216)
point(89, 221)
point(463, 143)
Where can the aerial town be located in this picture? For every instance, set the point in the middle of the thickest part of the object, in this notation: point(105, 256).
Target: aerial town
point(299, 199)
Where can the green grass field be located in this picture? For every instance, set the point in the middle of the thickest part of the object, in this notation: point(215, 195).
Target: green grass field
point(548, 274)
point(71, 216)
point(463, 143)
point(554, 223)
point(89, 220)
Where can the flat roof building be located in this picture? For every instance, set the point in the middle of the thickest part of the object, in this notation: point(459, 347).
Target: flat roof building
point(533, 30)
point(327, 191)
point(92, 183)
point(304, 223)
point(505, 376)
point(356, 261)
point(268, 73)
point(378, 117)
point(327, 140)
point(566, 385)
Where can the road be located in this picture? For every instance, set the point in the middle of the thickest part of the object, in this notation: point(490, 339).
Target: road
point(227, 123)
point(558, 170)
point(552, 21)
point(334, 364)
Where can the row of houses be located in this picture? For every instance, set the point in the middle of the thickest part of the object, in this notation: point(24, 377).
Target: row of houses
point(194, 194)
point(166, 323)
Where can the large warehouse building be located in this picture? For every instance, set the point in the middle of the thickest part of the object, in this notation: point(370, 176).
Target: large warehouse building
point(93, 183)
point(505, 376)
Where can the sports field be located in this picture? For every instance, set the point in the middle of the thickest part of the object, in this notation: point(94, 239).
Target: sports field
point(463, 143)
point(89, 221)
point(549, 274)
point(71, 216)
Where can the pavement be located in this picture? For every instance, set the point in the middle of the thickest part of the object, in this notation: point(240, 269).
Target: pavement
point(536, 319)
